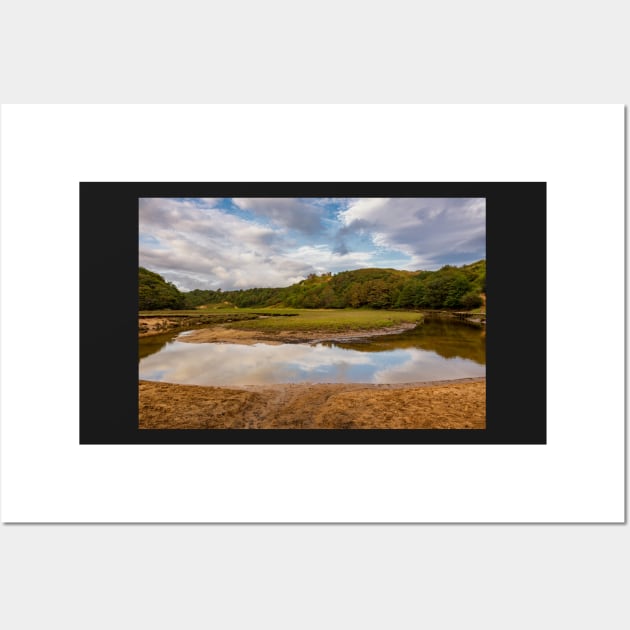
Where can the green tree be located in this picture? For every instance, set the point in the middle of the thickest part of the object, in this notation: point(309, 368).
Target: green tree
point(154, 292)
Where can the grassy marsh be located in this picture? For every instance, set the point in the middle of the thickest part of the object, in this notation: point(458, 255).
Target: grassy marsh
point(270, 320)
point(327, 320)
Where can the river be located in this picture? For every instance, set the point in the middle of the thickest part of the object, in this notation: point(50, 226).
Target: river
point(434, 351)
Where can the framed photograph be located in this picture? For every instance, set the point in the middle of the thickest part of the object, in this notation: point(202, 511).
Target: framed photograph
point(325, 313)
point(359, 380)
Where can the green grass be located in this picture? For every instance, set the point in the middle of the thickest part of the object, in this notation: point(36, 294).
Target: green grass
point(300, 320)
point(169, 313)
point(326, 320)
point(200, 315)
point(210, 313)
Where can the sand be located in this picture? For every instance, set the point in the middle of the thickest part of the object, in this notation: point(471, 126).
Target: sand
point(222, 334)
point(457, 404)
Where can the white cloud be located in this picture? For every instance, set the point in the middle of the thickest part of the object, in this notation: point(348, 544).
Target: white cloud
point(294, 214)
point(196, 243)
point(323, 259)
point(200, 246)
point(432, 231)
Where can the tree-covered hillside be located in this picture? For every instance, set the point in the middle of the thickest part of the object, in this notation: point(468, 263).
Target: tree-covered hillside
point(449, 287)
point(155, 293)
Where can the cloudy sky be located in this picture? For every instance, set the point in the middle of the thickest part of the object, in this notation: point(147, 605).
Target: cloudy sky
point(238, 243)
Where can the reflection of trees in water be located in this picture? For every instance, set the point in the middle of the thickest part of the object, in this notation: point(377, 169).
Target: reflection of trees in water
point(447, 338)
point(152, 344)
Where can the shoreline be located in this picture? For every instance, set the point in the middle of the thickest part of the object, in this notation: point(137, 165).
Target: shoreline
point(223, 334)
point(408, 385)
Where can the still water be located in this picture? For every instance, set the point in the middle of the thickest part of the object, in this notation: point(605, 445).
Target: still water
point(436, 350)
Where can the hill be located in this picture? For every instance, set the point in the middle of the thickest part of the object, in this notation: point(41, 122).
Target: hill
point(449, 287)
point(155, 293)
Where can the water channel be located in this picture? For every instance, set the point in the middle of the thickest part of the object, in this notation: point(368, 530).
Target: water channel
point(436, 350)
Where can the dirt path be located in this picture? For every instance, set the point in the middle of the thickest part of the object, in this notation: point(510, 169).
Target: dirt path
point(437, 405)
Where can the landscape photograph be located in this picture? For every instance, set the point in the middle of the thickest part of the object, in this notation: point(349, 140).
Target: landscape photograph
point(312, 313)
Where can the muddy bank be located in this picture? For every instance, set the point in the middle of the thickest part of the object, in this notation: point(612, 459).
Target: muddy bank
point(157, 325)
point(222, 334)
point(148, 326)
point(459, 404)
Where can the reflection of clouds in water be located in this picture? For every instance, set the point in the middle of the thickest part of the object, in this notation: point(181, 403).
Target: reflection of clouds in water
point(423, 365)
point(233, 364)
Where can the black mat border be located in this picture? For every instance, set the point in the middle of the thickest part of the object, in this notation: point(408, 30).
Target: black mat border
point(516, 279)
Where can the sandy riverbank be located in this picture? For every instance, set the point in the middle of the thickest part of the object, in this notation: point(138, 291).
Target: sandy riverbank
point(457, 404)
point(223, 334)
point(204, 333)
